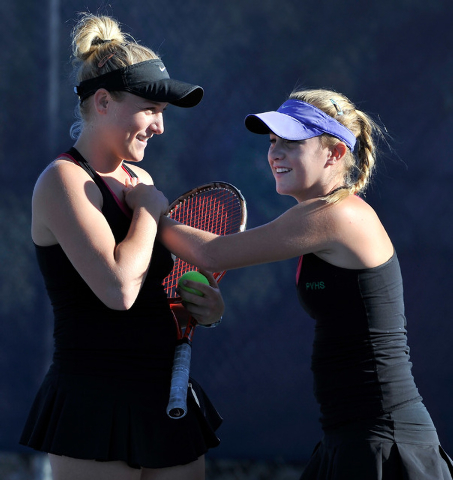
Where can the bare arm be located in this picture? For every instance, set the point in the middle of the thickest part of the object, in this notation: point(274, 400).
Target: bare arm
point(348, 234)
point(67, 210)
point(274, 241)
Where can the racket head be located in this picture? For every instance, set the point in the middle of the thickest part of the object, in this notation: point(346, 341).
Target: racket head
point(216, 207)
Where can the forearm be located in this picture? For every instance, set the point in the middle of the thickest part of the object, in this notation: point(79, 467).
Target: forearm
point(215, 253)
point(192, 245)
point(133, 255)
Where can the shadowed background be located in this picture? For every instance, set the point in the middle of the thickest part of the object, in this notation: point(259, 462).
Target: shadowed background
point(391, 57)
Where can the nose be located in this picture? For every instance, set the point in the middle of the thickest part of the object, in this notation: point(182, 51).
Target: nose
point(157, 126)
point(275, 153)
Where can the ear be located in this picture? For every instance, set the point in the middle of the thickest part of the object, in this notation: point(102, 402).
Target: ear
point(337, 153)
point(102, 99)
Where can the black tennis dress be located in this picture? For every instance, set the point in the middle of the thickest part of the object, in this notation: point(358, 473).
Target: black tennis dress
point(375, 424)
point(106, 391)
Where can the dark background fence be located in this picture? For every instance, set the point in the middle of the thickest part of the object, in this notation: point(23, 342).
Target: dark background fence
point(392, 57)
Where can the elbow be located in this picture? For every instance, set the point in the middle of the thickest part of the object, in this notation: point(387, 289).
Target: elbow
point(209, 257)
point(119, 298)
point(119, 304)
point(203, 264)
point(210, 264)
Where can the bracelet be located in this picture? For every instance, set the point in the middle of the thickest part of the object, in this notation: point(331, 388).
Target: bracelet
point(211, 325)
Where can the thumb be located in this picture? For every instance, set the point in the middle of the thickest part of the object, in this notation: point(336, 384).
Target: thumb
point(212, 281)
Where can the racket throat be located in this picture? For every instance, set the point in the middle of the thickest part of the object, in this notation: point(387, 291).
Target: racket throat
point(185, 341)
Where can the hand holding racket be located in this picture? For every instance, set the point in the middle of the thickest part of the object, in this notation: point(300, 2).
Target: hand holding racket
point(218, 208)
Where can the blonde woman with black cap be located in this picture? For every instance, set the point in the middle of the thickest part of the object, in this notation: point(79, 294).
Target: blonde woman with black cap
point(322, 153)
point(101, 410)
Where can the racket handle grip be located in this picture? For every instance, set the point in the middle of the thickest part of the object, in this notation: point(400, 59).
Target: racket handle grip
point(177, 405)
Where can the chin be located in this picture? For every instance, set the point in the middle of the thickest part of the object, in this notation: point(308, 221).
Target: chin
point(136, 157)
point(282, 191)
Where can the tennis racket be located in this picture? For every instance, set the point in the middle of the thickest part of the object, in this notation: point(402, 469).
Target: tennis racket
point(219, 208)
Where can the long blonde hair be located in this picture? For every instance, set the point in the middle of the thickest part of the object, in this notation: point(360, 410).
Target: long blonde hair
point(99, 46)
point(359, 165)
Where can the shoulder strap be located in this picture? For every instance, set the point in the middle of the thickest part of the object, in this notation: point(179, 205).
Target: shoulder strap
point(107, 193)
point(129, 171)
point(77, 158)
point(299, 268)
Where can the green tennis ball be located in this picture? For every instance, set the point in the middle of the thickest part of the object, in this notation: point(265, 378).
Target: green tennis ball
point(194, 277)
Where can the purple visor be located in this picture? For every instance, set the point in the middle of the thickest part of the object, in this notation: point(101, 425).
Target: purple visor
point(297, 120)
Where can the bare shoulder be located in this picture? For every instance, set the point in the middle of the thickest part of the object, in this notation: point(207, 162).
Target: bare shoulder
point(59, 171)
point(354, 211)
point(142, 174)
point(350, 213)
point(63, 179)
point(61, 189)
point(359, 239)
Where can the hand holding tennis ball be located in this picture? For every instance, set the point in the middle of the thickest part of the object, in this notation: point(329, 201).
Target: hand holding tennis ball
point(193, 276)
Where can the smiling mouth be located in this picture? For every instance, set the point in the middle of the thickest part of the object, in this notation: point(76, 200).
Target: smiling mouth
point(282, 170)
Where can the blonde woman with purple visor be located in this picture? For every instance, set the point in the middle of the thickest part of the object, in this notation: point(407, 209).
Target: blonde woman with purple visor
point(322, 153)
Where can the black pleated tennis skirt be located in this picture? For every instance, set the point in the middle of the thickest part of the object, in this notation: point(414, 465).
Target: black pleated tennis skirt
point(402, 445)
point(111, 419)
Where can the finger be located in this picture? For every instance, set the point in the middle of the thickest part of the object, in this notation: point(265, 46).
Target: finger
point(192, 298)
point(201, 314)
point(204, 289)
point(210, 277)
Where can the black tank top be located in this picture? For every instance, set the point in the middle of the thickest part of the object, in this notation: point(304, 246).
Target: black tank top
point(91, 338)
point(360, 355)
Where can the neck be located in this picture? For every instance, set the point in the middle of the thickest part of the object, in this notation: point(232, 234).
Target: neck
point(97, 155)
point(336, 190)
point(319, 192)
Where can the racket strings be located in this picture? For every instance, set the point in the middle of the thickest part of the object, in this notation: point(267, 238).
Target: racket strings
point(216, 215)
point(218, 211)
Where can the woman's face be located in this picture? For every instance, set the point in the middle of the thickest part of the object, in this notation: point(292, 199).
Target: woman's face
point(131, 122)
point(299, 167)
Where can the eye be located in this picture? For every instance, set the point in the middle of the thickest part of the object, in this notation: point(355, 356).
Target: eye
point(273, 138)
point(154, 107)
point(294, 143)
